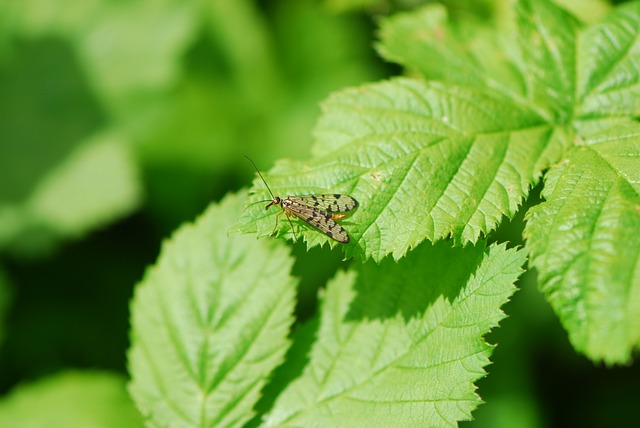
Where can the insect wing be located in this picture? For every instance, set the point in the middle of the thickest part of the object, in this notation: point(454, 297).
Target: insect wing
point(320, 220)
point(330, 202)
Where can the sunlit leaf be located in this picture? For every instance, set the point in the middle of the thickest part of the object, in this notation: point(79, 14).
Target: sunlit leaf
point(585, 243)
point(209, 323)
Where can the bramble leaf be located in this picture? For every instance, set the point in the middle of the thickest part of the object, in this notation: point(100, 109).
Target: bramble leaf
point(583, 239)
point(400, 344)
point(471, 54)
point(585, 242)
point(547, 40)
point(424, 160)
point(209, 323)
point(609, 81)
point(451, 156)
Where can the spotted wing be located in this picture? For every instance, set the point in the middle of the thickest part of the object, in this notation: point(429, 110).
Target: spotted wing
point(333, 203)
point(321, 220)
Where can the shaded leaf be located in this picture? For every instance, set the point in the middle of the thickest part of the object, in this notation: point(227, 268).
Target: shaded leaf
point(400, 344)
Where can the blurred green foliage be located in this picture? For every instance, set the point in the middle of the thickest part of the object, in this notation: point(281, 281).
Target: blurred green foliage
point(104, 402)
point(119, 120)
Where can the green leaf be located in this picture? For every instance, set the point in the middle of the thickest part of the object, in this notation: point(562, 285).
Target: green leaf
point(71, 400)
point(536, 68)
point(425, 161)
point(588, 11)
point(470, 54)
point(400, 344)
point(296, 360)
point(547, 37)
point(209, 323)
point(553, 68)
point(585, 242)
point(608, 83)
point(447, 159)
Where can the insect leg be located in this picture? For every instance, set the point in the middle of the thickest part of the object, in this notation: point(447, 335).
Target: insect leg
point(288, 214)
point(290, 223)
point(276, 226)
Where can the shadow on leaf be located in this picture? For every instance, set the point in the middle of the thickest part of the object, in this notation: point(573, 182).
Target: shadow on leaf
point(411, 285)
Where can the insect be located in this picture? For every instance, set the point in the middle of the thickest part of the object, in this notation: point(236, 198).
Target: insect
point(320, 211)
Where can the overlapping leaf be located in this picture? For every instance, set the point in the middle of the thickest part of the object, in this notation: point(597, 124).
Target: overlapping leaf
point(547, 39)
point(609, 81)
point(585, 242)
point(425, 161)
point(471, 54)
point(400, 344)
point(210, 322)
point(583, 237)
point(433, 160)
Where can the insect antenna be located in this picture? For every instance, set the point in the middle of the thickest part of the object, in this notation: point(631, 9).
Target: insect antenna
point(272, 196)
point(263, 180)
point(260, 202)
